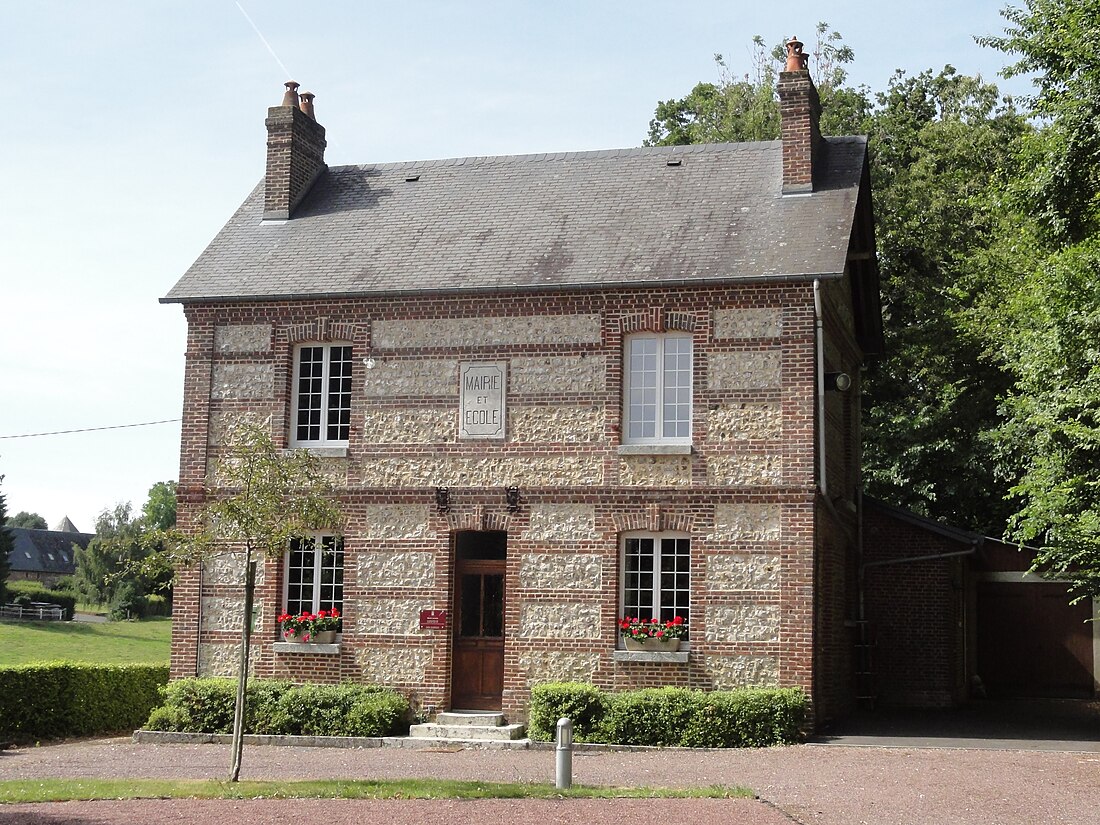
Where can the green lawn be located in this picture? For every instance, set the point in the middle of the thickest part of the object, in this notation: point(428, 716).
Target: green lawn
point(50, 790)
point(113, 643)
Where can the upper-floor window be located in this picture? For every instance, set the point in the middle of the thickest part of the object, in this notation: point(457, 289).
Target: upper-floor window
point(322, 394)
point(658, 389)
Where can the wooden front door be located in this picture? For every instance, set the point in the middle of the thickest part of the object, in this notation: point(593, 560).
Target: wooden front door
point(477, 671)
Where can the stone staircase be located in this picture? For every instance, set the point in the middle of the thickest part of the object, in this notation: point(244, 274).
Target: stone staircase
point(469, 729)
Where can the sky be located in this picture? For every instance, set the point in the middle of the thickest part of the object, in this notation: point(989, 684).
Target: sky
point(134, 129)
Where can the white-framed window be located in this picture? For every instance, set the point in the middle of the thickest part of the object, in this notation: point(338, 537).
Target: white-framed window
point(656, 577)
point(657, 396)
point(322, 395)
point(314, 577)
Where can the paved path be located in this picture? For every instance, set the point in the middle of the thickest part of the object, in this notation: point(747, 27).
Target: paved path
point(817, 784)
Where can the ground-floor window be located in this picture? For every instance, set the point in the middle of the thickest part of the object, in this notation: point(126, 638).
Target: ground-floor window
point(656, 581)
point(314, 574)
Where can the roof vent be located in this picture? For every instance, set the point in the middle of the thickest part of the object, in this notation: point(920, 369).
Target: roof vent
point(674, 162)
point(412, 178)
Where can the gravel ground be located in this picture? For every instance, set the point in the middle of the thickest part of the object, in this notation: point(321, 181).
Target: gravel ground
point(807, 784)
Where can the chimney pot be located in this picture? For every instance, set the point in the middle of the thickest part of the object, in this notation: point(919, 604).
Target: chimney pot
point(797, 60)
point(290, 97)
point(307, 103)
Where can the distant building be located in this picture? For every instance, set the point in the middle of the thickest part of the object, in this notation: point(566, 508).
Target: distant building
point(44, 555)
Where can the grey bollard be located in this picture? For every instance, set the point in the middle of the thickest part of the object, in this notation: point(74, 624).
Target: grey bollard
point(564, 760)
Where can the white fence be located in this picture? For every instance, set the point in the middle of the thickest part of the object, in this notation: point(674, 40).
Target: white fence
point(38, 612)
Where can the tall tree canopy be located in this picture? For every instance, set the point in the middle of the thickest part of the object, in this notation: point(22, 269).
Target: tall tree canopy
point(5, 548)
point(1046, 308)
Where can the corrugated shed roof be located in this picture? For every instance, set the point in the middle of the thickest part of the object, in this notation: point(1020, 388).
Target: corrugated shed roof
point(45, 551)
point(571, 220)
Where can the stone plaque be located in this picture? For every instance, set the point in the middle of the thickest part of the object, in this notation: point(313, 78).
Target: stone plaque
point(481, 399)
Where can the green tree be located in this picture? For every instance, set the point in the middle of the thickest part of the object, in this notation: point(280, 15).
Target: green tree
point(100, 565)
point(29, 521)
point(941, 147)
point(159, 512)
point(746, 108)
point(262, 498)
point(1046, 312)
point(5, 547)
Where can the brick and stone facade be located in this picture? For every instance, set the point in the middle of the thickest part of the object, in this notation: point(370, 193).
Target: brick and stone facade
point(763, 484)
point(745, 493)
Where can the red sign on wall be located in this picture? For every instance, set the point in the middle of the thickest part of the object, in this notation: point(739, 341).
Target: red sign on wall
point(433, 619)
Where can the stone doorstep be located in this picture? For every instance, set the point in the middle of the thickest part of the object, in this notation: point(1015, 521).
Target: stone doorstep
point(478, 718)
point(466, 732)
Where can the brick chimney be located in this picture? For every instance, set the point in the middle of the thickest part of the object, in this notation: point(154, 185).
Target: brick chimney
point(800, 115)
point(295, 153)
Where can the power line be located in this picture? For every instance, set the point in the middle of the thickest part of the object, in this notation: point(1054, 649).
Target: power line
point(95, 429)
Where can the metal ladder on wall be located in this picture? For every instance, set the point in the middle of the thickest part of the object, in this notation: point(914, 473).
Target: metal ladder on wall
point(865, 666)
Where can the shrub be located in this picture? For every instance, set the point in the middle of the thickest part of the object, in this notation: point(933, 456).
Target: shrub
point(277, 707)
point(25, 592)
point(129, 603)
point(157, 605)
point(670, 716)
point(60, 699)
point(584, 704)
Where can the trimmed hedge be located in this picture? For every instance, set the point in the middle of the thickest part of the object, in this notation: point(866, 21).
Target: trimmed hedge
point(60, 699)
point(670, 716)
point(38, 593)
point(277, 707)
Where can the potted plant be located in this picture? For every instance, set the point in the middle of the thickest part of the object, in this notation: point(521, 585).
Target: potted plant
point(325, 625)
point(296, 628)
point(651, 634)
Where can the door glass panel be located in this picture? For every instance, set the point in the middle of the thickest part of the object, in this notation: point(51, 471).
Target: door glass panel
point(493, 606)
point(471, 605)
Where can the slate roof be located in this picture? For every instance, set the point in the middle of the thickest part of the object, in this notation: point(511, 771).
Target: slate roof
point(574, 220)
point(44, 551)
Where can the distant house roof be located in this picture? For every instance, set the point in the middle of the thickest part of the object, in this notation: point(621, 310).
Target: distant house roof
point(65, 526)
point(631, 217)
point(45, 551)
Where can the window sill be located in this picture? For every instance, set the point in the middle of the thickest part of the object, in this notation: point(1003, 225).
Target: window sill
point(679, 657)
point(320, 452)
point(297, 647)
point(655, 449)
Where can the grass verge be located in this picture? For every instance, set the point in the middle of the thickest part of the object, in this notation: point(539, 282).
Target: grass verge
point(110, 643)
point(64, 790)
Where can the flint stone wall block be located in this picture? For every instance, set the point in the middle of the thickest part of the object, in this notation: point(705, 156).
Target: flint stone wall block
point(655, 470)
point(733, 672)
point(242, 338)
point(396, 569)
point(243, 381)
point(390, 617)
point(560, 620)
point(749, 470)
point(742, 623)
point(745, 422)
point(396, 521)
point(391, 378)
point(412, 425)
point(558, 666)
point(743, 370)
point(483, 471)
point(743, 571)
point(759, 322)
point(224, 422)
point(746, 522)
point(485, 332)
point(393, 666)
point(550, 374)
point(561, 523)
point(544, 571)
point(560, 425)
point(216, 659)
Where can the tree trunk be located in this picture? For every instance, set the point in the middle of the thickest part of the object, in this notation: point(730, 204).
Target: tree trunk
point(242, 674)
